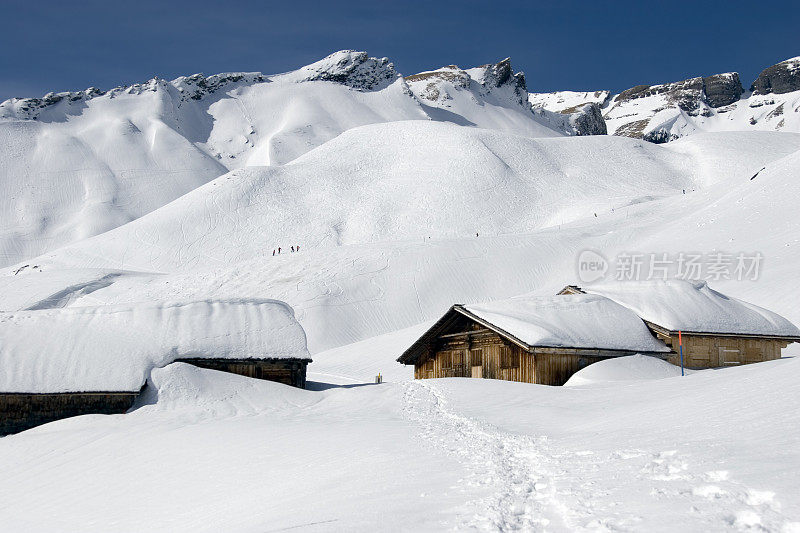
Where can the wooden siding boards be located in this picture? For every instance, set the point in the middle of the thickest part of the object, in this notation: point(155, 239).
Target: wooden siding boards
point(20, 411)
point(287, 371)
point(459, 340)
point(711, 351)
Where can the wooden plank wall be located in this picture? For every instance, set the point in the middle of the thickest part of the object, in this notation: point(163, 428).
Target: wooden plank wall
point(21, 411)
point(557, 368)
point(289, 371)
point(703, 351)
point(455, 356)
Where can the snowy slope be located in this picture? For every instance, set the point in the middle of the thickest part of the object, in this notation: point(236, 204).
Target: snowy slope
point(402, 181)
point(79, 164)
point(450, 94)
point(218, 241)
point(567, 102)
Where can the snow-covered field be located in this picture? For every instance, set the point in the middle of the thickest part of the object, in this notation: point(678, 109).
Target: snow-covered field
point(712, 451)
point(402, 205)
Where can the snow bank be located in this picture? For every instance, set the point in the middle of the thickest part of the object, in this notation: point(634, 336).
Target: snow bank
point(687, 306)
point(628, 368)
point(113, 348)
point(181, 386)
point(578, 321)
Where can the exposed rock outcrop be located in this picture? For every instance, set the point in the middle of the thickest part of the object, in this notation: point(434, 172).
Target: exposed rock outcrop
point(716, 91)
point(722, 89)
point(501, 74)
point(354, 69)
point(483, 80)
point(781, 78)
point(588, 120)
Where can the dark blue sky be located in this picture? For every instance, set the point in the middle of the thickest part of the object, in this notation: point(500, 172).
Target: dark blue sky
point(562, 44)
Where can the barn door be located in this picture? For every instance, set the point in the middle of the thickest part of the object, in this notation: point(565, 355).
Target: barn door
point(729, 356)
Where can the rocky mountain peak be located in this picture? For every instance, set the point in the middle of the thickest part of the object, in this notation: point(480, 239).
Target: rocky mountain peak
point(502, 74)
point(352, 68)
point(783, 77)
point(493, 78)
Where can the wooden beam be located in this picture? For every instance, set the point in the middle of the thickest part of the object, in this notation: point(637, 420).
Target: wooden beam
point(467, 333)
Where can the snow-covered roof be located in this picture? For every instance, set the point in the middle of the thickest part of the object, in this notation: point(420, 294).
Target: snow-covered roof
point(574, 321)
point(113, 348)
point(679, 305)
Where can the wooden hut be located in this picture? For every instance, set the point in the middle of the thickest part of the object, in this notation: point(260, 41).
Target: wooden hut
point(540, 340)
point(97, 359)
point(716, 330)
point(24, 410)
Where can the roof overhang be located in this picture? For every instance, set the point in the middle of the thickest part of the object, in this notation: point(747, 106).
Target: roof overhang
point(672, 332)
point(412, 354)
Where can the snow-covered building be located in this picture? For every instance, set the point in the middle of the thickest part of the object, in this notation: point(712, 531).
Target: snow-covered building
point(716, 330)
point(56, 363)
point(533, 339)
point(545, 340)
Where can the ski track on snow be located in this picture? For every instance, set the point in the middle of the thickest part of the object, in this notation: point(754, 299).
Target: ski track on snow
point(536, 487)
point(517, 467)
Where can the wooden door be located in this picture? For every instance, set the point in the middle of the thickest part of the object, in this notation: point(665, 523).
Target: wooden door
point(476, 362)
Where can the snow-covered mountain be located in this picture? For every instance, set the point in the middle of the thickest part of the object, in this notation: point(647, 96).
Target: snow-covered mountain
point(665, 112)
point(78, 164)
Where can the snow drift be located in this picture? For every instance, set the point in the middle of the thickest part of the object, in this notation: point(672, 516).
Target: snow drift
point(629, 368)
point(113, 348)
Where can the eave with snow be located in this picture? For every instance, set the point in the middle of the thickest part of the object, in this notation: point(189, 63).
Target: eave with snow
point(540, 340)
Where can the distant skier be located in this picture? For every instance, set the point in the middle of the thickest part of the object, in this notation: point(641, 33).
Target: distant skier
point(293, 248)
point(273, 253)
point(297, 247)
point(279, 250)
point(476, 233)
